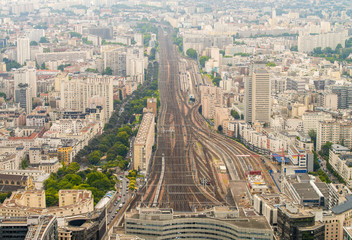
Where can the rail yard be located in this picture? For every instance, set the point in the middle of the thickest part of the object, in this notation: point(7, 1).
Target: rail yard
point(184, 173)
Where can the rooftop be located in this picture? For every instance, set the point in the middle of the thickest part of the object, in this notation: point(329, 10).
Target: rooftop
point(147, 122)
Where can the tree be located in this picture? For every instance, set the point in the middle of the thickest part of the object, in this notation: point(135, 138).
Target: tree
point(271, 64)
point(3, 95)
point(24, 163)
point(61, 67)
point(294, 48)
point(75, 34)
point(216, 81)
point(313, 135)
point(326, 148)
point(5, 195)
point(222, 52)
point(43, 40)
point(317, 51)
point(192, 53)
point(33, 43)
point(43, 67)
point(10, 64)
point(94, 157)
point(235, 114)
point(220, 128)
point(72, 168)
point(202, 60)
point(107, 71)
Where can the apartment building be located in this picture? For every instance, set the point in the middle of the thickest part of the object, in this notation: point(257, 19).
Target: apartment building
point(337, 132)
point(340, 158)
point(26, 75)
point(142, 149)
point(311, 119)
point(211, 97)
point(307, 42)
point(23, 50)
point(80, 94)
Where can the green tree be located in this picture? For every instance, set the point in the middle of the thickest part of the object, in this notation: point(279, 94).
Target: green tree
point(3, 95)
point(72, 168)
point(107, 71)
point(43, 66)
point(123, 137)
point(294, 48)
point(24, 163)
point(43, 40)
point(220, 128)
point(94, 157)
point(4, 195)
point(313, 135)
point(192, 53)
point(61, 67)
point(235, 114)
point(326, 148)
point(216, 81)
point(203, 59)
point(33, 43)
point(75, 34)
point(317, 51)
point(271, 64)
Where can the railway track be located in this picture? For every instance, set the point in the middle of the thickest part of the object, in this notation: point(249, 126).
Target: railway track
point(176, 181)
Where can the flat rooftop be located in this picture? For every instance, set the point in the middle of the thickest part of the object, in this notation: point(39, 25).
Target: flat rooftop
point(147, 123)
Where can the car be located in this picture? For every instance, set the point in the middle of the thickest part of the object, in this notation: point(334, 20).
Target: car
point(124, 194)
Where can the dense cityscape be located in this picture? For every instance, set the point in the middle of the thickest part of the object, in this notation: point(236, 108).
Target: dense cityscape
point(175, 119)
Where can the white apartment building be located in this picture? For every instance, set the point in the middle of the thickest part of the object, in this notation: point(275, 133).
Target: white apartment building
point(28, 76)
point(311, 120)
point(23, 50)
point(337, 132)
point(307, 42)
point(115, 58)
point(80, 94)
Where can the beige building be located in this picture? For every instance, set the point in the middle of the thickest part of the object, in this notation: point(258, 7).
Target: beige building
point(341, 161)
point(152, 103)
point(221, 115)
point(337, 132)
point(311, 119)
point(32, 202)
point(211, 97)
point(51, 165)
point(143, 144)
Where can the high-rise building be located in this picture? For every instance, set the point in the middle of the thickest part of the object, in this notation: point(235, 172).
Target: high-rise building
point(257, 95)
point(28, 76)
point(135, 64)
point(23, 50)
point(344, 96)
point(211, 97)
point(80, 94)
point(23, 97)
point(115, 58)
